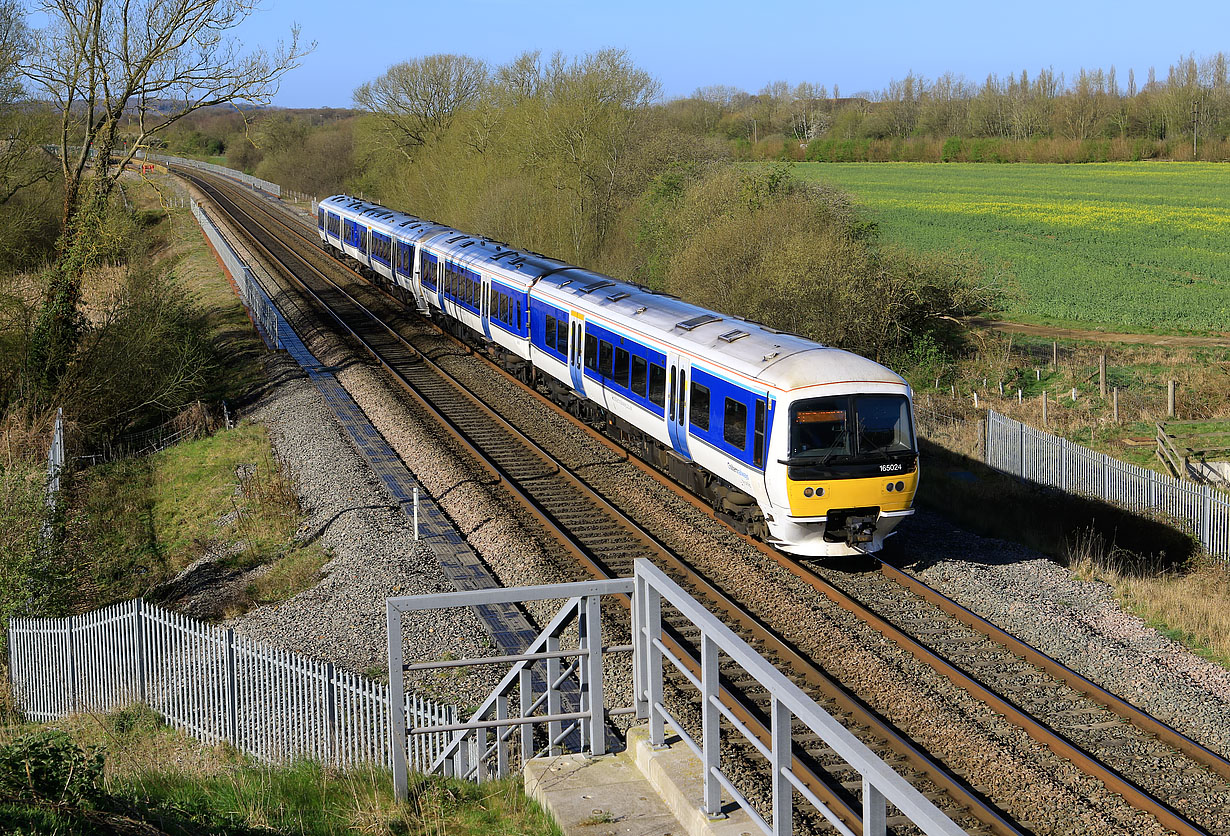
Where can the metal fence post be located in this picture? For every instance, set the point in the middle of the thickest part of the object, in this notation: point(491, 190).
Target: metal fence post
point(232, 708)
point(640, 655)
point(875, 811)
point(783, 792)
point(1063, 463)
point(554, 701)
point(597, 695)
point(72, 663)
point(1021, 436)
point(331, 713)
point(710, 746)
point(1206, 523)
point(139, 641)
point(397, 699)
point(653, 633)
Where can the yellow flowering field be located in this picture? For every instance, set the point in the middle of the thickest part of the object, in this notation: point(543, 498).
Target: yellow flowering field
point(1126, 246)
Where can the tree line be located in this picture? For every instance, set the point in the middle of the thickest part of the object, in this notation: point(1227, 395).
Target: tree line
point(1040, 116)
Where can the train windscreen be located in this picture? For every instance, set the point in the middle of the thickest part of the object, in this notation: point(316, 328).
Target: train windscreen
point(822, 428)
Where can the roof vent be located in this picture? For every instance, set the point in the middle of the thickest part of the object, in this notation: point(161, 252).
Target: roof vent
point(731, 336)
point(615, 297)
point(640, 310)
point(770, 355)
point(565, 282)
point(697, 321)
point(592, 286)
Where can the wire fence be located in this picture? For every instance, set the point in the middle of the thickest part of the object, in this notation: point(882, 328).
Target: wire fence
point(1039, 456)
point(213, 684)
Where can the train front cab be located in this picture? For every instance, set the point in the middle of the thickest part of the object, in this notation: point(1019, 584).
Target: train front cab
point(844, 469)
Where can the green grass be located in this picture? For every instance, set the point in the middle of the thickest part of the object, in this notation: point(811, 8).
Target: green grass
point(153, 775)
point(1117, 246)
point(137, 522)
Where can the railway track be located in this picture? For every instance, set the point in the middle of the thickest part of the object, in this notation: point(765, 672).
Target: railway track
point(1071, 725)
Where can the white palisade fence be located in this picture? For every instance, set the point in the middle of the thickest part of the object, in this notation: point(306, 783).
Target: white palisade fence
point(273, 704)
point(1047, 459)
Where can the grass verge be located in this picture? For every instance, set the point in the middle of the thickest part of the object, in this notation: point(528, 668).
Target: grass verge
point(136, 523)
point(126, 772)
point(1189, 605)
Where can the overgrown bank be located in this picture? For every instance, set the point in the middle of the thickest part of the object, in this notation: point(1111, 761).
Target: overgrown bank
point(128, 773)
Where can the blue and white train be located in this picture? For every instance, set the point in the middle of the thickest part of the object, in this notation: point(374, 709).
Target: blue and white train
point(807, 447)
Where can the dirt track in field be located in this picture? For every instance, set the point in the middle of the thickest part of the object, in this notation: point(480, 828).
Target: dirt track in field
point(1057, 333)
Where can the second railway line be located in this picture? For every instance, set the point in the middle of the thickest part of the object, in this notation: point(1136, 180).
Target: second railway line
point(747, 574)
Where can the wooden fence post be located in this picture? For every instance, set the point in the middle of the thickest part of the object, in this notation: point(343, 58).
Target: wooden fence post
point(1170, 398)
point(1102, 375)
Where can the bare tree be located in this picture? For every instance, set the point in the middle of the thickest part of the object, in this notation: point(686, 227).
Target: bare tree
point(417, 101)
point(22, 162)
point(142, 65)
point(139, 66)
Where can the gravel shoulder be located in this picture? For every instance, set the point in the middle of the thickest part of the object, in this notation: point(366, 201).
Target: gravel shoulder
point(1077, 622)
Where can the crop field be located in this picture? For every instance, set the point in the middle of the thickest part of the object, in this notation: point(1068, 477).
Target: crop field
point(1114, 246)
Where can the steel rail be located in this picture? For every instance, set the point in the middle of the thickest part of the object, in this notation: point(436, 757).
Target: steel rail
point(1054, 740)
point(960, 792)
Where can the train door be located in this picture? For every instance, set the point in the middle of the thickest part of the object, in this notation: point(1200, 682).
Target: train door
point(484, 306)
point(677, 406)
point(576, 348)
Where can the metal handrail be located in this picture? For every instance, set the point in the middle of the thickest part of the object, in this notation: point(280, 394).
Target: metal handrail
point(881, 785)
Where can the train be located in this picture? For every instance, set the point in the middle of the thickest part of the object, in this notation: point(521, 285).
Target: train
point(807, 447)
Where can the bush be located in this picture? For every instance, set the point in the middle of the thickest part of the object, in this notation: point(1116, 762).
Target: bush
point(49, 766)
point(798, 257)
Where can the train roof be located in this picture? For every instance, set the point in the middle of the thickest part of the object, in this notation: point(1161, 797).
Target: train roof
point(778, 359)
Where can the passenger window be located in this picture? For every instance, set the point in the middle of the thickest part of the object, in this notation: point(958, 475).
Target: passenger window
point(640, 375)
point(562, 326)
point(698, 416)
point(604, 359)
point(549, 332)
point(734, 428)
point(591, 352)
point(758, 436)
point(621, 367)
point(657, 384)
point(503, 308)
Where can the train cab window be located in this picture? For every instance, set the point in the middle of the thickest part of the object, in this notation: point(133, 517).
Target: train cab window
point(621, 367)
point(591, 352)
point(698, 415)
point(640, 376)
point(605, 359)
point(758, 435)
point(734, 424)
point(657, 384)
point(549, 333)
point(320, 222)
point(561, 328)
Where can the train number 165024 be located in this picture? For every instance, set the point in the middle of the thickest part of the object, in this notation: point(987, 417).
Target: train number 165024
point(890, 468)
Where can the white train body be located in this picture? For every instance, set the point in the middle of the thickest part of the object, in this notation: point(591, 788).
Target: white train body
point(811, 447)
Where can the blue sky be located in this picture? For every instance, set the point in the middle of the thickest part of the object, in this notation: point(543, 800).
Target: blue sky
point(859, 47)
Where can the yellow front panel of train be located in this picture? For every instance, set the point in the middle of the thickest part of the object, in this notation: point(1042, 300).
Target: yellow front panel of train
point(851, 493)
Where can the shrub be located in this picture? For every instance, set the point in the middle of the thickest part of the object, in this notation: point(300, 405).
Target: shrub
point(49, 766)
